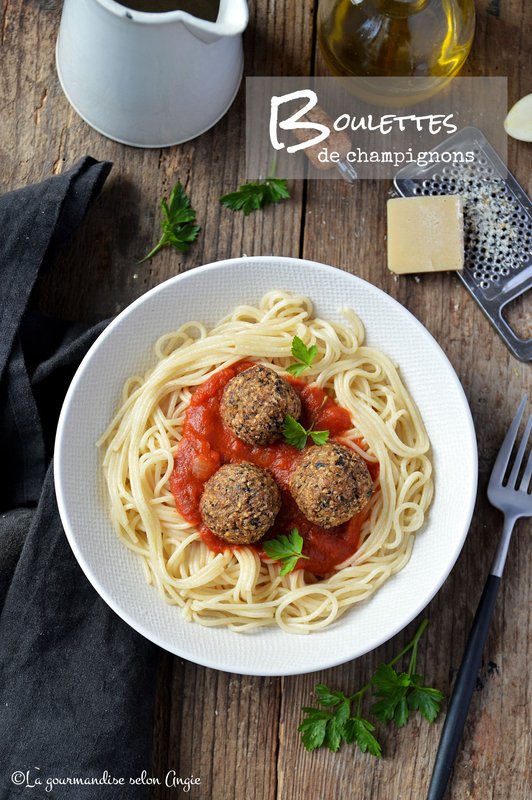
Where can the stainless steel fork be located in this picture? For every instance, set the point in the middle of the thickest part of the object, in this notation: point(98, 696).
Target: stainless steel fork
point(514, 501)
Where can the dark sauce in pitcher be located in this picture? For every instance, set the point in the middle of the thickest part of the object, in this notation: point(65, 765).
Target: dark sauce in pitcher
point(204, 9)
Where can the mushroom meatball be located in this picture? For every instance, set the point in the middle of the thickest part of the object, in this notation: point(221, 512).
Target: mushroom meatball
point(330, 484)
point(255, 403)
point(240, 502)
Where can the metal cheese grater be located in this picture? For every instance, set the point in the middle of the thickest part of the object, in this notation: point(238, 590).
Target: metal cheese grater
point(497, 226)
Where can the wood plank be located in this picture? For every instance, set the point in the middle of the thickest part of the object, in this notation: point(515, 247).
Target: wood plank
point(345, 226)
point(229, 724)
point(219, 727)
point(216, 727)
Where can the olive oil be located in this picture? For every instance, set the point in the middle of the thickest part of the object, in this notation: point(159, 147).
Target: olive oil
point(392, 38)
point(204, 9)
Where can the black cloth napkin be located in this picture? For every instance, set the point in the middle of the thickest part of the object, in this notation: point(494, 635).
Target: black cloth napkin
point(76, 683)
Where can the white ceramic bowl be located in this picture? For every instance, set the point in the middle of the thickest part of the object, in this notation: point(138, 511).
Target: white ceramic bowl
point(208, 293)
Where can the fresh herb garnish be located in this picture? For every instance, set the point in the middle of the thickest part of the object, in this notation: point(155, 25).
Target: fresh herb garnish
point(254, 195)
point(399, 693)
point(305, 356)
point(296, 435)
point(286, 549)
point(178, 223)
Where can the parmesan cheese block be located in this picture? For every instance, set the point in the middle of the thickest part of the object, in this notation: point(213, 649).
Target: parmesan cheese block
point(425, 234)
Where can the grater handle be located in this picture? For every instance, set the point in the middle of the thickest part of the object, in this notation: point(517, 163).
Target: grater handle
point(492, 309)
point(521, 348)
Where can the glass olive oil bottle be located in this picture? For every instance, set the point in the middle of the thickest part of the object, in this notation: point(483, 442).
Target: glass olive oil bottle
point(392, 38)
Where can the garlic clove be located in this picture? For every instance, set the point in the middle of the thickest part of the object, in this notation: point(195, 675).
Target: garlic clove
point(518, 123)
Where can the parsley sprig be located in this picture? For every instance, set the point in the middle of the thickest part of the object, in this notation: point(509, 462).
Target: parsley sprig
point(286, 549)
point(305, 356)
point(178, 222)
point(398, 693)
point(295, 434)
point(254, 195)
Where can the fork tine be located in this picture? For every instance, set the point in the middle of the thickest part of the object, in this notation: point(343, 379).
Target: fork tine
point(501, 462)
point(523, 486)
point(512, 480)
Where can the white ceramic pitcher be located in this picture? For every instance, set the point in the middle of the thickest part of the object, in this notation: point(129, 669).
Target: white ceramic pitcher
point(149, 79)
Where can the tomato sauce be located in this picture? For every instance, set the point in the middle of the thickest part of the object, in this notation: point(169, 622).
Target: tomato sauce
point(207, 444)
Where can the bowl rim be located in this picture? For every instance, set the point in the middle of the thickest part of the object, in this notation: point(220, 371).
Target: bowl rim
point(136, 624)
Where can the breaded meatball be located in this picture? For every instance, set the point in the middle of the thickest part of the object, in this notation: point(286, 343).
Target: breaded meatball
point(240, 502)
point(330, 484)
point(255, 403)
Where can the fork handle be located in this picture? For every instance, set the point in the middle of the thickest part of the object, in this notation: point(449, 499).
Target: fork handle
point(463, 691)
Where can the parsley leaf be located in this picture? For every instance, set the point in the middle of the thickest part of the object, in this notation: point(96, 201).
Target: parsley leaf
point(398, 693)
point(319, 437)
point(360, 731)
point(391, 687)
point(286, 549)
point(334, 732)
point(305, 356)
point(296, 435)
point(425, 700)
point(401, 693)
point(254, 195)
point(325, 727)
point(296, 369)
point(331, 728)
point(325, 697)
point(178, 223)
point(313, 728)
point(386, 678)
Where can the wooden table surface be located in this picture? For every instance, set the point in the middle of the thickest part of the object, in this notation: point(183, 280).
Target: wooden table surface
point(238, 734)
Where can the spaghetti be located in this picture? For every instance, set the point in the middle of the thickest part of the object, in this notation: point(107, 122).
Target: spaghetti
point(235, 587)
